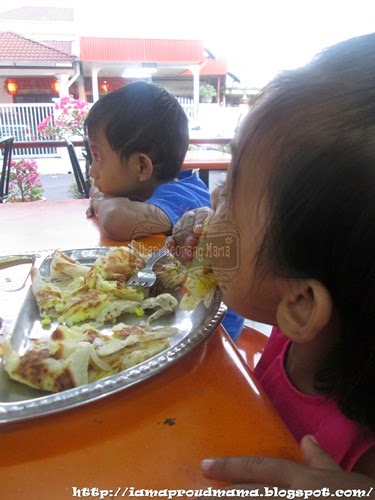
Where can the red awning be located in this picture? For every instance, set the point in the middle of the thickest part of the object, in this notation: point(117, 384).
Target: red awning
point(140, 50)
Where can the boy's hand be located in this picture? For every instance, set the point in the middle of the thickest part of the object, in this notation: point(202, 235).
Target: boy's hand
point(257, 473)
point(186, 232)
point(90, 212)
point(95, 197)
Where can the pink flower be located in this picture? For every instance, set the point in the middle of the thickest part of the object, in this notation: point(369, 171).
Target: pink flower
point(24, 182)
point(68, 118)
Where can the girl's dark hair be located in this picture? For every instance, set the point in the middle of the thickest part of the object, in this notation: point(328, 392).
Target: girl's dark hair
point(142, 117)
point(316, 126)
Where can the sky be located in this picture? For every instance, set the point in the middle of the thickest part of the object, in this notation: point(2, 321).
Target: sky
point(257, 38)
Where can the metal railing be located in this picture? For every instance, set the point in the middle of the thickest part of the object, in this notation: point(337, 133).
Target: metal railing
point(21, 121)
point(189, 107)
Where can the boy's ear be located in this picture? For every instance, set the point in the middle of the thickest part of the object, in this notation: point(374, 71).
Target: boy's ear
point(143, 166)
point(304, 310)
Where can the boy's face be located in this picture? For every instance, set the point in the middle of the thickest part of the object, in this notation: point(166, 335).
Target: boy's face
point(111, 176)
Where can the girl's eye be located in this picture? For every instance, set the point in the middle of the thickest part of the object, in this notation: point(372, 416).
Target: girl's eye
point(96, 157)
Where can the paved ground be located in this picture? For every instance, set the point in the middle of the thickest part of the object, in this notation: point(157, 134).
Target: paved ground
point(56, 186)
point(56, 176)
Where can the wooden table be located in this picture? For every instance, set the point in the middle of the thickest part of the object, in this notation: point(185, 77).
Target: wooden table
point(151, 435)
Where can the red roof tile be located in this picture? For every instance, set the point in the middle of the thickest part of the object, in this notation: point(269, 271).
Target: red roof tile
point(61, 45)
point(39, 14)
point(14, 47)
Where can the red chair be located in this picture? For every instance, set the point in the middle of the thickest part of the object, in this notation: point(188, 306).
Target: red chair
point(251, 344)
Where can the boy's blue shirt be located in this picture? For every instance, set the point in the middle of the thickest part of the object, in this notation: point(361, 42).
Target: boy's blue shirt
point(177, 197)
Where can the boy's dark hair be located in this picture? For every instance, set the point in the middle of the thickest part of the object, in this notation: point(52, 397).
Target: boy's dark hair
point(142, 117)
point(317, 127)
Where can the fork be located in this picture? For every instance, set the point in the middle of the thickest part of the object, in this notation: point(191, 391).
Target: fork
point(146, 276)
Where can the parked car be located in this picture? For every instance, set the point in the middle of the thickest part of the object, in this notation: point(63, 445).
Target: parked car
point(19, 132)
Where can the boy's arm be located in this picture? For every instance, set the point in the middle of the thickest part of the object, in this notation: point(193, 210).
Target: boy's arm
point(122, 219)
point(95, 197)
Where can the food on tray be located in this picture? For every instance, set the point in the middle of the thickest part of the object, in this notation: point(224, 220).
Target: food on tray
point(63, 266)
point(75, 356)
point(73, 294)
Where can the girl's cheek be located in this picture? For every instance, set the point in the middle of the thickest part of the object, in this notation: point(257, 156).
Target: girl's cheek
point(221, 210)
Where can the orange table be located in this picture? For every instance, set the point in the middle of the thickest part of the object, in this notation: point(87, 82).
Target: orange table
point(151, 435)
point(45, 225)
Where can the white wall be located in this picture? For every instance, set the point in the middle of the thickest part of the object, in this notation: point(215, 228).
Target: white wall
point(218, 121)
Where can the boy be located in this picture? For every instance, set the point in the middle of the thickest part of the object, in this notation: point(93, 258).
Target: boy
point(138, 137)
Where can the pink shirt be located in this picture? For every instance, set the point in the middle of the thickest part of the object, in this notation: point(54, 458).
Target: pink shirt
point(304, 414)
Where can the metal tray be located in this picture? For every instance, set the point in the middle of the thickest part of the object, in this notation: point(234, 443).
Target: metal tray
point(20, 319)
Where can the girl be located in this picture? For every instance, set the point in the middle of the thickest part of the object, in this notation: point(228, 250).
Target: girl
point(300, 194)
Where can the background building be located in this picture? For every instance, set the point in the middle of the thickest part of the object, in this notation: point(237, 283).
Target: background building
point(42, 54)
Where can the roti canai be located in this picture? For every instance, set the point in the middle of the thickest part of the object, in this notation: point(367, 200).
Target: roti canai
point(81, 299)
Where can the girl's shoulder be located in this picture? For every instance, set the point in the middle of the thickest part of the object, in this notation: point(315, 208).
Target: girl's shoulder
point(317, 415)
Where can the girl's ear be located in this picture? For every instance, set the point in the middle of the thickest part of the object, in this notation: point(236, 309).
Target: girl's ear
point(143, 166)
point(304, 310)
